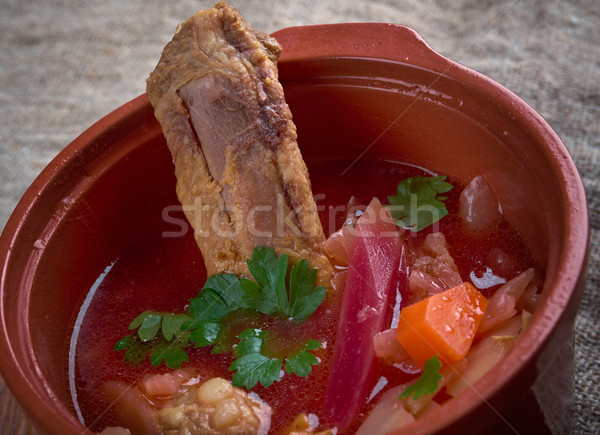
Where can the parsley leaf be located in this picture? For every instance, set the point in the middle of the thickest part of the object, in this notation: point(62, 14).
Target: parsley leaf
point(418, 203)
point(304, 300)
point(205, 334)
point(136, 352)
point(149, 324)
point(220, 295)
point(171, 326)
point(167, 346)
point(428, 381)
point(300, 364)
point(252, 366)
point(270, 295)
point(172, 354)
point(125, 342)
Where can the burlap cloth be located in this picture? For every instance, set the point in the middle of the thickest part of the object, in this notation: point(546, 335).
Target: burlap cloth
point(64, 64)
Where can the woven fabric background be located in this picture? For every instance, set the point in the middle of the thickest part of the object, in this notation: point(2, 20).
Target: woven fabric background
point(66, 63)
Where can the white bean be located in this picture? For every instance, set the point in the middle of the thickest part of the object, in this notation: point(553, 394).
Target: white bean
point(214, 390)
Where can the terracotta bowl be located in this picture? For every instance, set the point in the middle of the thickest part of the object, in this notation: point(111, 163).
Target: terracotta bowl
point(361, 91)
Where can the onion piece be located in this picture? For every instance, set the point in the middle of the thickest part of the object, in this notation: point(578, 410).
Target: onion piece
point(391, 413)
point(388, 414)
point(530, 297)
point(479, 206)
point(485, 354)
point(502, 304)
point(388, 348)
point(338, 247)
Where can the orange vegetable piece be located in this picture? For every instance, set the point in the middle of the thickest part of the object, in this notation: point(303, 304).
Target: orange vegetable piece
point(443, 324)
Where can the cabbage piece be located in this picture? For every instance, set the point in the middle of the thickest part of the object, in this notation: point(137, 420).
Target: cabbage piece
point(502, 304)
point(485, 354)
point(432, 271)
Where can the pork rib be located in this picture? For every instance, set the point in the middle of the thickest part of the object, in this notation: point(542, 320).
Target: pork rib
point(240, 175)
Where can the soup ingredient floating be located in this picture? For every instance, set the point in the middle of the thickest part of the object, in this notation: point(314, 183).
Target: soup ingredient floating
point(225, 296)
point(240, 175)
point(419, 202)
point(215, 407)
point(427, 383)
point(377, 268)
point(443, 324)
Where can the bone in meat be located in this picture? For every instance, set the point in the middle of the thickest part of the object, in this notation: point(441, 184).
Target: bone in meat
point(240, 175)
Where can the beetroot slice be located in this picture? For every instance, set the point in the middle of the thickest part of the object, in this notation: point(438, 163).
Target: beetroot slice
point(376, 268)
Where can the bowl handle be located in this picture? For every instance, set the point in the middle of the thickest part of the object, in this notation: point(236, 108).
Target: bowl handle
point(365, 40)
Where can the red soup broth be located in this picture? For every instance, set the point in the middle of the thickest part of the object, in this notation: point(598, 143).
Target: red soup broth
point(164, 269)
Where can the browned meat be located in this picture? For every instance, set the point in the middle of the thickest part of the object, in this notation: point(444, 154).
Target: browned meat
point(240, 174)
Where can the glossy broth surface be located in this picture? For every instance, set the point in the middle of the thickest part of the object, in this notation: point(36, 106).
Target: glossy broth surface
point(165, 269)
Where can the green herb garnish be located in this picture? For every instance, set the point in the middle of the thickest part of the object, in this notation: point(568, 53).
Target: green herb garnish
point(428, 381)
point(418, 203)
point(251, 366)
point(270, 295)
point(301, 363)
point(167, 346)
point(274, 293)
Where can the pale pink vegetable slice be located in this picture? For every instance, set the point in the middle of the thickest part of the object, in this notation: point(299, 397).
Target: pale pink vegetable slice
point(130, 406)
point(338, 247)
point(391, 413)
point(387, 346)
point(388, 414)
point(502, 304)
point(165, 385)
point(376, 270)
point(485, 354)
point(479, 207)
point(432, 271)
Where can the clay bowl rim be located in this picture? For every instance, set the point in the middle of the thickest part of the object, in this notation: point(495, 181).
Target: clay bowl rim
point(298, 45)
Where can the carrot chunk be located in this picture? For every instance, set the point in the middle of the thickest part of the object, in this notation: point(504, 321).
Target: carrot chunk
point(443, 324)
